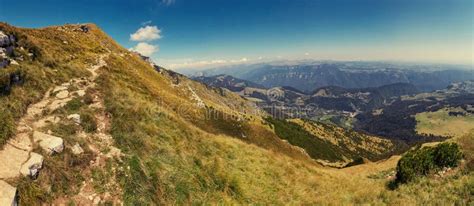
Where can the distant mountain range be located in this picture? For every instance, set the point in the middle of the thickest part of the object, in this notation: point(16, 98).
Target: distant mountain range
point(228, 82)
point(329, 97)
point(384, 110)
point(307, 78)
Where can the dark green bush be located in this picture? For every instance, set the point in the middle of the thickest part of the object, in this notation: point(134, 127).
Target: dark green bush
point(423, 161)
point(447, 155)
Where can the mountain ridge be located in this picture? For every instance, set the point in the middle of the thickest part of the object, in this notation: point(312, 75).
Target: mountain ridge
point(310, 77)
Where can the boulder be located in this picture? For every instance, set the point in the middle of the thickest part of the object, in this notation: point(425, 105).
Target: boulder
point(51, 144)
point(32, 166)
point(75, 117)
point(4, 40)
point(8, 194)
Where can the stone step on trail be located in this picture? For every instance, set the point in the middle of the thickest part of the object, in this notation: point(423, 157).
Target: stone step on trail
point(62, 94)
point(11, 159)
point(22, 141)
point(8, 194)
point(59, 88)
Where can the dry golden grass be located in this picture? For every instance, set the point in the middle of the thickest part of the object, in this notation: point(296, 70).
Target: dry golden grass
point(440, 123)
point(174, 156)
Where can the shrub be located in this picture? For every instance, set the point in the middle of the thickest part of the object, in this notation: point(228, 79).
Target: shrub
point(447, 155)
point(423, 161)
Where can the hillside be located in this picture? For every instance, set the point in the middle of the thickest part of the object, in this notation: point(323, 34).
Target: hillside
point(331, 104)
point(96, 124)
point(228, 82)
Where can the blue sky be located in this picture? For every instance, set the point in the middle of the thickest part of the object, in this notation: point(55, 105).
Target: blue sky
point(203, 33)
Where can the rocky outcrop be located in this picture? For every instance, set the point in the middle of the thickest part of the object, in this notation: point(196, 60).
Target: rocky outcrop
point(6, 49)
point(51, 144)
point(6, 40)
point(8, 194)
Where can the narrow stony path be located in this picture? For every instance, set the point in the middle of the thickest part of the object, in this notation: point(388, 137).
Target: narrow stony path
point(17, 157)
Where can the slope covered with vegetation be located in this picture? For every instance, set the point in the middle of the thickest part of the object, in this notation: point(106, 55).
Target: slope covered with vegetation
point(175, 141)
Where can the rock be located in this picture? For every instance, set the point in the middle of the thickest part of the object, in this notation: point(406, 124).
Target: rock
point(51, 144)
point(62, 94)
point(9, 50)
point(5, 40)
point(8, 194)
point(32, 166)
point(13, 62)
point(59, 88)
point(84, 28)
point(11, 160)
point(56, 104)
point(77, 149)
point(75, 117)
point(80, 93)
point(96, 200)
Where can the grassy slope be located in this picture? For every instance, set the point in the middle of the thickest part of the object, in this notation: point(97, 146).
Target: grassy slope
point(54, 61)
point(175, 156)
point(350, 144)
point(440, 123)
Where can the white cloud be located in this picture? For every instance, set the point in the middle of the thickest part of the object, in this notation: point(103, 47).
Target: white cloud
point(147, 33)
point(168, 2)
point(239, 60)
point(146, 23)
point(199, 64)
point(145, 48)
